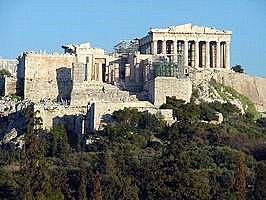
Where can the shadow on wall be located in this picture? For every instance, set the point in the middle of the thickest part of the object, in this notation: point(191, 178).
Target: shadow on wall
point(75, 126)
point(64, 84)
point(2, 86)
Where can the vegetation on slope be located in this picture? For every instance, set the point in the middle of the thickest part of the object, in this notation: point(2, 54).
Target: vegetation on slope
point(139, 156)
point(228, 94)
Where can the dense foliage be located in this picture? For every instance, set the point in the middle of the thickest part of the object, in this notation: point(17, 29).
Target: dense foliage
point(238, 68)
point(138, 156)
point(4, 72)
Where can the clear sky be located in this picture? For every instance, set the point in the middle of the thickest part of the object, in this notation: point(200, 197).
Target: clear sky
point(48, 24)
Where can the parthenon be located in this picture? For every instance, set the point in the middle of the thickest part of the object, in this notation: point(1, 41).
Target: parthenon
point(191, 46)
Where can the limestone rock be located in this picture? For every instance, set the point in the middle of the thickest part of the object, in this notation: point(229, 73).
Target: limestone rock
point(10, 136)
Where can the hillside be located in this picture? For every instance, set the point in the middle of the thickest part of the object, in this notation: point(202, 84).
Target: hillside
point(139, 156)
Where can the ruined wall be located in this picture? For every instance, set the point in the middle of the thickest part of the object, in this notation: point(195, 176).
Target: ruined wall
point(7, 85)
point(83, 92)
point(253, 87)
point(162, 87)
point(9, 65)
point(47, 76)
point(100, 112)
point(70, 116)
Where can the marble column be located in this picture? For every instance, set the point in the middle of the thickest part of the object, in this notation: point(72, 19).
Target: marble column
point(89, 65)
point(218, 55)
point(136, 71)
point(175, 50)
point(100, 74)
point(127, 72)
point(196, 54)
point(207, 53)
point(227, 53)
point(116, 72)
point(186, 53)
point(164, 47)
point(154, 47)
point(193, 53)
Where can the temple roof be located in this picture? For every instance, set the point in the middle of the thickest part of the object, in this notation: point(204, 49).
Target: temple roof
point(189, 28)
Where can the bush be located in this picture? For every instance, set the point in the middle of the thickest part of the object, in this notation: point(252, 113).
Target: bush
point(4, 72)
point(261, 122)
point(238, 68)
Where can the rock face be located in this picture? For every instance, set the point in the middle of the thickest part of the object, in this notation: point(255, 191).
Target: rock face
point(13, 121)
point(10, 136)
point(251, 86)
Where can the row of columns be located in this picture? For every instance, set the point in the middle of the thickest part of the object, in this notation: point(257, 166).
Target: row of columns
point(224, 55)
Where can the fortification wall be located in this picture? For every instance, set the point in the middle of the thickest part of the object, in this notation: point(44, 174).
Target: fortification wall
point(253, 87)
point(71, 116)
point(47, 76)
point(162, 87)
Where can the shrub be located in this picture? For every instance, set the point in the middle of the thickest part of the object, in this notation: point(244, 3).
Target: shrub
point(238, 68)
point(4, 72)
point(262, 122)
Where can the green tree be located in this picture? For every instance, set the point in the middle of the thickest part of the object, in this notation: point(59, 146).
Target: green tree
point(238, 68)
point(35, 170)
point(240, 182)
point(82, 182)
point(8, 185)
point(97, 193)
point(4, 72)
point(260, 183)
point(58, 142)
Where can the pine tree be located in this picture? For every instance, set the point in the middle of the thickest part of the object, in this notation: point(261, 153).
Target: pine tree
point(36, 178)
point(240, 182)
point(97, 193)
point(260, 184)
point(82, 180)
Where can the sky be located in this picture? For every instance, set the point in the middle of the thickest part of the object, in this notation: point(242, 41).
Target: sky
point(32, 25)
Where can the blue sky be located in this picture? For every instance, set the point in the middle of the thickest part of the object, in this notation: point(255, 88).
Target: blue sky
point(47, 24)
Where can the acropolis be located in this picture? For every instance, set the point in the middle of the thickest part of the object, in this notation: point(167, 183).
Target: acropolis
point(83, 85)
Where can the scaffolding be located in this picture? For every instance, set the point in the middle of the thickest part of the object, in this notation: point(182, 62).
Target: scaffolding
point(165, 68)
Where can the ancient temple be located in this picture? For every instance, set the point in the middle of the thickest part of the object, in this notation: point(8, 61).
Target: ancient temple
point(193, 46)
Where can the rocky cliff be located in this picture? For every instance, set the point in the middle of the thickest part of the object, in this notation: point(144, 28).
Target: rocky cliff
point(253, 87)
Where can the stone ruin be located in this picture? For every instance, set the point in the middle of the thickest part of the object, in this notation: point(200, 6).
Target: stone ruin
point(84, 85)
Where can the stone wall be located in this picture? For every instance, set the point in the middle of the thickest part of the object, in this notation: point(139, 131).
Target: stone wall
point(46, 76)
point(83, 92)
point(162, 87)
point(7, 85)
point(74, 118)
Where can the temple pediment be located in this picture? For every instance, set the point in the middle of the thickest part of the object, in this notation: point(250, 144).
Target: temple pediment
point(189, 28)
